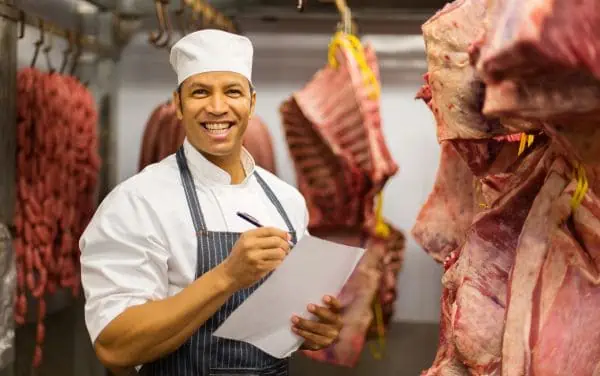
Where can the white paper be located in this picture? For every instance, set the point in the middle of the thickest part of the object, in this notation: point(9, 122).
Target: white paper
point(314, 268)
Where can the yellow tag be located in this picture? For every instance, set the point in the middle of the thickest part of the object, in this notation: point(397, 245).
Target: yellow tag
point(526, 141)
point(582, 187)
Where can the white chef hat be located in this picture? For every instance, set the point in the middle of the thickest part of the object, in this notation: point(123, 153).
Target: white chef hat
point(211, 50)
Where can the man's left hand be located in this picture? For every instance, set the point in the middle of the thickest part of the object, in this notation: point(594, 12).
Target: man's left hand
point(324, 331)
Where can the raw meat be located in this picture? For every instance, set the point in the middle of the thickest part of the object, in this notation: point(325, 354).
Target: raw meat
point(477, 274)
point(442, 223)
point(552, 323)
point(453, 90)
point(58, 167)
point(529, 37)
point(258, 142)
point(333, 130)
point(332, 127)
point(541, 58)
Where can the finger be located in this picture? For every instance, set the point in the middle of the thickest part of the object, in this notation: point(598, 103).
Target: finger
point(333, 303)
point(313, 341)
point(322, 329)
point(264, 232)
point(273, 254)
point(269, 266)
point(325, 314)
point(271, 242)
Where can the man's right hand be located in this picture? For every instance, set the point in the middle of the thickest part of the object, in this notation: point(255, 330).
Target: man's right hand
point(256, 253)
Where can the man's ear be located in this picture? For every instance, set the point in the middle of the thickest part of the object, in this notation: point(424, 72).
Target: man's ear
point(178, 104)
point(252, 103)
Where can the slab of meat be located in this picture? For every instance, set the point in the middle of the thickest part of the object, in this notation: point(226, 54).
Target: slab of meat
point(552, 322)
point(442, 223)
point(541, 58)
point(333, 130)
point(258, 142)
point(453, 90)
point(528, 37)
point(477, 275)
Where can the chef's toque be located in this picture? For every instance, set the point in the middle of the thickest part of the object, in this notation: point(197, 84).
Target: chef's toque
point(211, 51)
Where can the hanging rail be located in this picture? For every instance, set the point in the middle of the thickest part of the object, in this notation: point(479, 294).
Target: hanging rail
point(86, 42)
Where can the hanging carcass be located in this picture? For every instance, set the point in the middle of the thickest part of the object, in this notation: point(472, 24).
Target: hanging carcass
point(333, 130)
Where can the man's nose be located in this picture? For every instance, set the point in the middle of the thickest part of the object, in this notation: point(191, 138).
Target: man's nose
point(217, 104)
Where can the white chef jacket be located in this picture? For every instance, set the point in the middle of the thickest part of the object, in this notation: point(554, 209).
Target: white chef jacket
point(141, 244)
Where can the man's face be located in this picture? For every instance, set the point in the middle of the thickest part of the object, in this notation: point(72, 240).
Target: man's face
point(214, 108)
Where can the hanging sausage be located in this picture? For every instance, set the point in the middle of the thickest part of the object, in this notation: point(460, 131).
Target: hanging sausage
point(57, 173)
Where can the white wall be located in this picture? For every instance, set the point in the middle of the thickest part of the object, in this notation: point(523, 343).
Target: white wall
point(283, 64)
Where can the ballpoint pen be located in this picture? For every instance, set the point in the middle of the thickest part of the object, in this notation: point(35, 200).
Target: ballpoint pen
point(248, 218)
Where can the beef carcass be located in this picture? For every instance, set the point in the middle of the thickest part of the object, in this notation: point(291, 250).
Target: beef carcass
point(334, 135)
point(453, 90)
point(333, 130)
point(552, 320)
point(443, 220)
point(257, 140)
point(541, 59)
point(477, 274)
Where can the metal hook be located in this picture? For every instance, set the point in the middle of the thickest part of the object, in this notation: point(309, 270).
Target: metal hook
point(163, 21)
point(21, 24)
point(38, 44)
point(181, 18)
point(47, 50)
point(67, 52)
point(77, 56)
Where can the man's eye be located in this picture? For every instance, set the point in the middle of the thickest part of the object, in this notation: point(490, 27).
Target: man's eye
point(199, 92)
point(235, 92)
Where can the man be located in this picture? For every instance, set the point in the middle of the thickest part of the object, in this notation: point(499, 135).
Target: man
point(166, 259)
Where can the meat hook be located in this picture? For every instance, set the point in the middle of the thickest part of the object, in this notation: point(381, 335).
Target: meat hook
point(47, 50)
point(21, 24)
point(67, 52)
point(77, 56)
point(163, 21)
point(180, 13)
point(38, 44)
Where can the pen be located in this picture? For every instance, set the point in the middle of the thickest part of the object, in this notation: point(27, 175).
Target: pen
point(255, 222)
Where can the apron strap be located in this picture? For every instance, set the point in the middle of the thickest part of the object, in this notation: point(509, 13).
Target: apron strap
point(277, 204)
point(194, 203)
point(190, 192)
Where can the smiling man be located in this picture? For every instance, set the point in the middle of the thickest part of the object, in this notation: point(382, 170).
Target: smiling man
point(166, 260)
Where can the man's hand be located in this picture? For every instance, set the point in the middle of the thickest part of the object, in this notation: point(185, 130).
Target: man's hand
point(325, 330)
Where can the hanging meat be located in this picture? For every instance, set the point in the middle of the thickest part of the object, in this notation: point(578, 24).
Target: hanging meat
point(57, 173)
point(333, 130)
point(164, 134)
point(541, 58)
point(521, 284)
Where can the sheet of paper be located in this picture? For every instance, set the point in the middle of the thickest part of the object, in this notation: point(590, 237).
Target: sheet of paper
point(314, 268)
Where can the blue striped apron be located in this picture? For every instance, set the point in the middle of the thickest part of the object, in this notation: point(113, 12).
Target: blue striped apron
point(203, 353)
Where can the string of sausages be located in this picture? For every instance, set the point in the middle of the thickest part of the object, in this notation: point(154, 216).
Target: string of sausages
point(57, 172)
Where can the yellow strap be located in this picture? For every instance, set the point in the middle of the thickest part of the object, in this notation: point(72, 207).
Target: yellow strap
point(582, 187)
point(378, 352)
point(381, 228)
point(352, 44)
point(526, 141)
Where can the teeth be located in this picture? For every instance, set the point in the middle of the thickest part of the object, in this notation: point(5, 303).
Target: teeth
point(216, 126)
